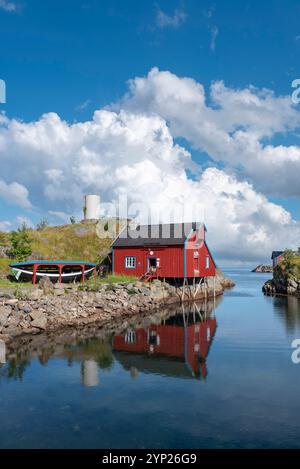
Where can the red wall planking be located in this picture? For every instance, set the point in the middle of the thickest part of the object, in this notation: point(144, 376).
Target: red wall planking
point(180, 261)
point(171, 260)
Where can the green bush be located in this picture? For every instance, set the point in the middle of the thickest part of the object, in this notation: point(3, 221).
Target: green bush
point(289, 267)
point(42, 225)
point(21, 244)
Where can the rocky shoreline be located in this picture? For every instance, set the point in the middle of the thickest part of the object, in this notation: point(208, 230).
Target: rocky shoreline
point(282, 286)
point(50, 308)
point(49, 343)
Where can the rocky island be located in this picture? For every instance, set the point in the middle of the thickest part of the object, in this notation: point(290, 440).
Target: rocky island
point(262, 269)
point(286, 277)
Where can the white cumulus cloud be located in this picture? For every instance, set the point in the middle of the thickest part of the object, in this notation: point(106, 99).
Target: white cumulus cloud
point(15, 194)
point(233, 127)
point(131, 151)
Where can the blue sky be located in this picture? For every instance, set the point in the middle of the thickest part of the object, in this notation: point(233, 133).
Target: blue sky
point(75, 57)
point(57, 55)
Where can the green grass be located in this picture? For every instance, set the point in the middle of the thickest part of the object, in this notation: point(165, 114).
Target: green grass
point(4, 266)
point(4, 239)
point(289, 267)
point(297, 261)
point(296, 266)
point(94, 283)
point(117, 279)
point(74, 242)
point(5, 271)
point(6, 283)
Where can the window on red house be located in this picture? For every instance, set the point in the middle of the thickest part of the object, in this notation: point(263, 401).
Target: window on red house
point(130, 262)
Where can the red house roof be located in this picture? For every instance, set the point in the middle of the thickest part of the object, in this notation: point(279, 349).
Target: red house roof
point(167, 234)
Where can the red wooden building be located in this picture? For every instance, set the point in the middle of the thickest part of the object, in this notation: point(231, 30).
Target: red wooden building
point(168, 250)
point(277, 257)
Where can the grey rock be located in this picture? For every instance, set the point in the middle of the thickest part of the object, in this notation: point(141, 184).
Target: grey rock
point(157, 282)
point(145, 291)
point(292, 283)
point(5, 312)
point(46, 285)
point(6, 295)
point(26, 308)
point(23, 324)
point(40, 323)
point(12, 301)
point(36, 294)
point(36, 314)
point(269, 287)
point(4, 251)
point(59, 292)
point(99, 296)
point(83, 314)
point(13, 331)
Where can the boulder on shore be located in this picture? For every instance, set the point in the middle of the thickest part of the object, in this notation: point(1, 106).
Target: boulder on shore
point(282, 285)
point(46, 285)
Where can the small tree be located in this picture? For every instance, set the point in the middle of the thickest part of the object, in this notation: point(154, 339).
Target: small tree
point(21, 243)
point(289, 261)
point(42, 224)
point(72, 220)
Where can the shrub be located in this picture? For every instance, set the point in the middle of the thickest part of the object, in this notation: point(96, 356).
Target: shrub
point(42, 224)
point(21, 244)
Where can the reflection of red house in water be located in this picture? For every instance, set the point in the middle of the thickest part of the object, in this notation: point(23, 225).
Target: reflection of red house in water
point(173, 348)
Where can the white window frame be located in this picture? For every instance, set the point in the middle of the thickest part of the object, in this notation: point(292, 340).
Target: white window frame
point(207, 262)
point(130, 262)
point(130, 337)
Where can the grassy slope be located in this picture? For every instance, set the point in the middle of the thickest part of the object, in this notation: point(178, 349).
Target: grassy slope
point(289, 271)
point(74, 242)
point(4, 271)
point(4, 239)
point(296, 262)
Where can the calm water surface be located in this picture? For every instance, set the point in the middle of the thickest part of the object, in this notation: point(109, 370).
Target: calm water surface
point(215, 376)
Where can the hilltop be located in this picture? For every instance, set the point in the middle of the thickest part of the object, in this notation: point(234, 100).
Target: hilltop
point(77, 241)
